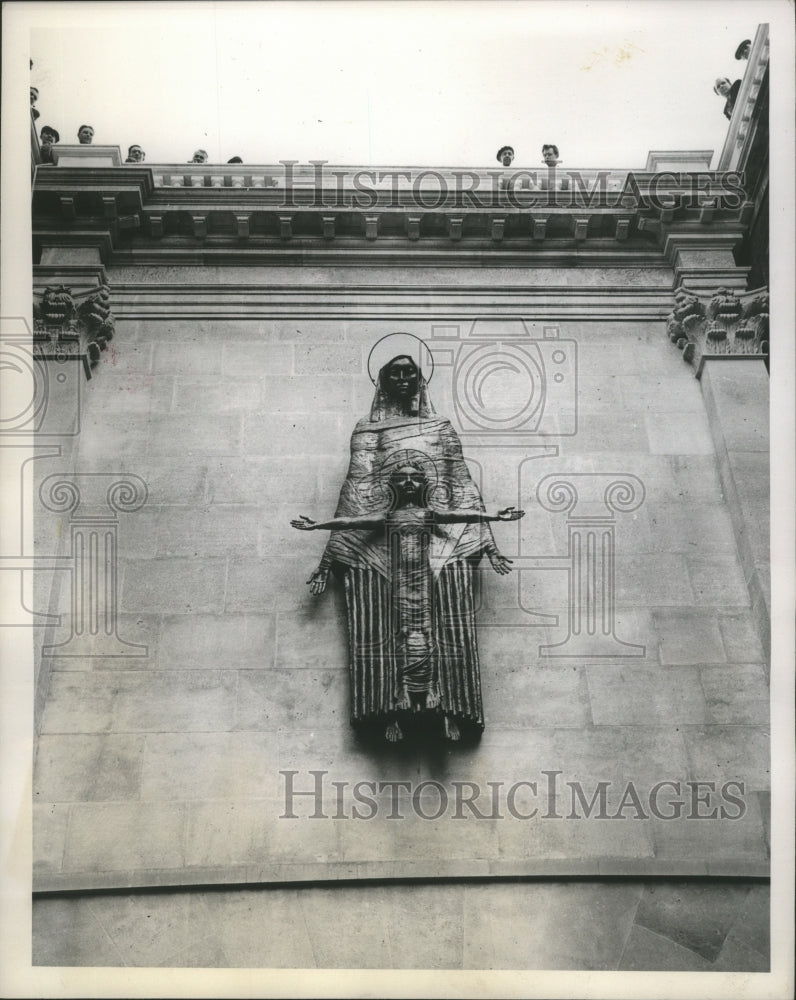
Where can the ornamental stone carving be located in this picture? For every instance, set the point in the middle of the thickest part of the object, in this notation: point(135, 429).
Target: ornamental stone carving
point(66, 327)
point(726, 325)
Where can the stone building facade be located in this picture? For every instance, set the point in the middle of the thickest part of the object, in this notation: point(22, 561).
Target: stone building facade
point(203, 335)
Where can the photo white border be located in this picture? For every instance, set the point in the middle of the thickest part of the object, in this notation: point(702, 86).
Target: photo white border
point(18, 978)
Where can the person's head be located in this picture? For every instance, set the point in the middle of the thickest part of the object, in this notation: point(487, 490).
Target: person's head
point(550, 154)
point(49, 136)
point(400, 378)
point(743, 50)
point(409, 483)
point(235, 159)
point(135, 154)
point(85, 135)
point(722, 86)
point(34, 95)
point(505, 155)
point(200, 156)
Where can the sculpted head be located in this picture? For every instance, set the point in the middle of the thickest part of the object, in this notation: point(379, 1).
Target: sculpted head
point(410, 483)
point(85, 135)
point(400, 378)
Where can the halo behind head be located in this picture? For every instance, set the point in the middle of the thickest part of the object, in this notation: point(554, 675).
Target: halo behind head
point(395, 345)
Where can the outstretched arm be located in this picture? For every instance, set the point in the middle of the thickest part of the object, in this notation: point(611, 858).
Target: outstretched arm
point(364, 521)
point(477, 516)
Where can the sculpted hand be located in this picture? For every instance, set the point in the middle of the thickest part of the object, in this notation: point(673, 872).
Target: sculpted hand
point(500, 564)
point(510, 514)
point(304, 523)
point(317, 582)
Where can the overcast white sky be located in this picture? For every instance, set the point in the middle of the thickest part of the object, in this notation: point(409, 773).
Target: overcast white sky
point(392, 83)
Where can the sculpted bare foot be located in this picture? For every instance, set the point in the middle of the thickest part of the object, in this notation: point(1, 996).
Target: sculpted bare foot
point(404, 702)
point(393, 733)
point(432, 698)
point(451, 729)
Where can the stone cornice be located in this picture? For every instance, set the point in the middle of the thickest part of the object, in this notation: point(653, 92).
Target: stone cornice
point(747, 108)
point(605, 215)
point(585, 302)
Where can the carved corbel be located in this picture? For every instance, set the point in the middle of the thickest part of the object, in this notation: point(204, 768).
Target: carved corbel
point(622, 229)
point(707, 211)
point(539, 229)
point(580, 229)
point(285, 227)
point(728, 326)
point(55, 317)
point(413, 227)
point(63, 327)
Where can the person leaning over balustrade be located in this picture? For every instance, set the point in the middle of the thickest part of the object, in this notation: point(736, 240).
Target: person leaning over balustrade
point(48, 137)
point(550, 154)
point(135, 155)
point(724, 88)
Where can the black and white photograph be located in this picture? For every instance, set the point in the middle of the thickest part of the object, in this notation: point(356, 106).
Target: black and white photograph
point(397, 448)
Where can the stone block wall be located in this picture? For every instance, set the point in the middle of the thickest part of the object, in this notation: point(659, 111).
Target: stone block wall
point(162, 768)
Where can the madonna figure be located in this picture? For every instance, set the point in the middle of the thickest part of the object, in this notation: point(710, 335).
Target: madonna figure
point(403, 422)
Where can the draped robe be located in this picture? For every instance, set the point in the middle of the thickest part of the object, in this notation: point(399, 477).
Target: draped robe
point(366, 561)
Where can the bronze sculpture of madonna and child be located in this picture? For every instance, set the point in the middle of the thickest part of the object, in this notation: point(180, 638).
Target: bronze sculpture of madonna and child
point(408, 533)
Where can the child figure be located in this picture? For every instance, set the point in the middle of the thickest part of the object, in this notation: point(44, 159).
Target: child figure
point(409, 523)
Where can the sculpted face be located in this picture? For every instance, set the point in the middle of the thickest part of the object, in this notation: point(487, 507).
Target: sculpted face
point(85, 135)
point(402, 378)
point(409, 482)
